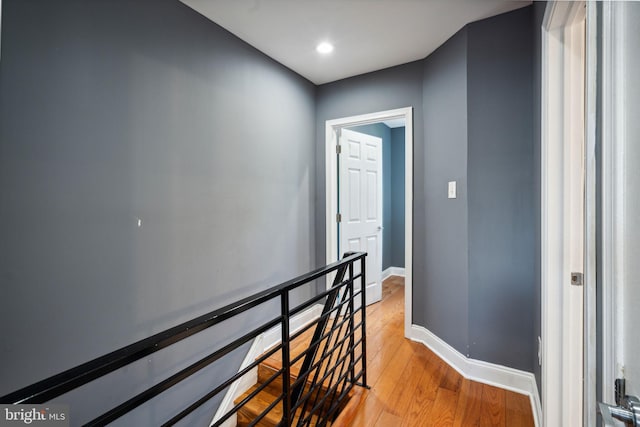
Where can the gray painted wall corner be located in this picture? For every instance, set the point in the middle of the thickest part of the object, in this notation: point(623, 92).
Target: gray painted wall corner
point(441, 304)
point(501, 189)
point(397, 190)
point(537, 18)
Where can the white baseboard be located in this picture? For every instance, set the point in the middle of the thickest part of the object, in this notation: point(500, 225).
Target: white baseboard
point(260, 345)
point(487, 373)
point(393, 271)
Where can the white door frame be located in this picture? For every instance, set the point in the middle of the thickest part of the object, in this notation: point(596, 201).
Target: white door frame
point(591, 212)
point(331, 189)
point(562, 241)
point(614, 222)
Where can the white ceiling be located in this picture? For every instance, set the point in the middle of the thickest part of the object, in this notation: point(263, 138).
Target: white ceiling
point(368, 35)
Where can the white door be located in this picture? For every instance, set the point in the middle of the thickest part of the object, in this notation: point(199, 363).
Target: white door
point(621, 200)
point(360, 204)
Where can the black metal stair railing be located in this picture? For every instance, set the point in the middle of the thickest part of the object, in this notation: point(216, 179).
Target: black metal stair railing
point(318, 392)
point(333, 364)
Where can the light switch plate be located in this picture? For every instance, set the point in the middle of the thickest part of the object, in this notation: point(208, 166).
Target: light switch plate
point(452, 189)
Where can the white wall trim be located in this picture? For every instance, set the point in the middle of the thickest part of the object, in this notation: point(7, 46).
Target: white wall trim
point(613, 218)
point(392, 271)
point(260, 345)
point(331, 185)
point(487, 373)
point(590, 273)
point(562, 249)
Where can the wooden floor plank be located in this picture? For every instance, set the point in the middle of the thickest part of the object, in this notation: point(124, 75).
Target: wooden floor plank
point(412, 387)
point(418, 406)
point(451, 379)
point(444, 408)
point(388, 419)
point(409, 381)
point(367, 413)
point(392, 373)
point(435, 371)
point(405, 390)
point(518, 410)
point(493, 410)
point(468, 411)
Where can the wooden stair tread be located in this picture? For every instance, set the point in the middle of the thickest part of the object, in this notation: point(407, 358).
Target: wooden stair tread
point(267, 369)
point(297, 346)
point(350, 409)
point(254, 407)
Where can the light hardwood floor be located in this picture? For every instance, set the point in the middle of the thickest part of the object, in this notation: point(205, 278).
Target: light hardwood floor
point(411, 386)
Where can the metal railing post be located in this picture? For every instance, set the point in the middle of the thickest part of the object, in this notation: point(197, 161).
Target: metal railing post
point(352, 330)
point(363, 307)
point(286, 360)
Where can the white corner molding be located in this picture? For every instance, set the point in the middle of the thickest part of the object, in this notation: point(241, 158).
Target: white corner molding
point(483, 372)
point(260, 345)
point(393, 271)
point(562, 171)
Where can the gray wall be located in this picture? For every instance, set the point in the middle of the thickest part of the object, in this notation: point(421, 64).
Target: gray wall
point(474, 256)
point(500, 189)
point(397, 188)
point(479, 264)
point(538, 16)
point(441, 270)
point(116, 110)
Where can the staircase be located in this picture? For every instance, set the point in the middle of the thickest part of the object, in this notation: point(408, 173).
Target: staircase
point(270, 376)
point(309, 378)
point(252, 409)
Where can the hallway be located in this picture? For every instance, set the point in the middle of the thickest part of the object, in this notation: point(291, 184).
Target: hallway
point(411, 386)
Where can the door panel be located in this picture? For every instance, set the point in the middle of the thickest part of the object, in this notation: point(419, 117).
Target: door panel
point(372, 284)
point(354, 245)
point(372, 196)
point(354, 197)
point(354, 149)
point(360, 196)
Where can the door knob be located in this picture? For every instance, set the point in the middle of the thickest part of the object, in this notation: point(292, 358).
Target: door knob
point(628, 412)
point(380, 228)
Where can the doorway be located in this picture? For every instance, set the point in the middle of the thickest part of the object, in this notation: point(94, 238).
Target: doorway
point(608, 36)
point(333, 131)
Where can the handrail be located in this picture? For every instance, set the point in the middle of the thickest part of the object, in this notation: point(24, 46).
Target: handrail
point(70, 379)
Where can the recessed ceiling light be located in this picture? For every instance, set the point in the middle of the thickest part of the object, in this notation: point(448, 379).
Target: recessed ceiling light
point(324, 47)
